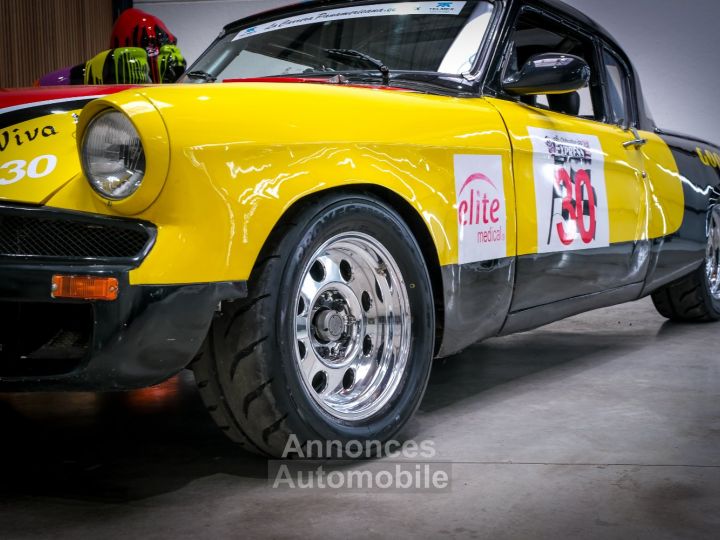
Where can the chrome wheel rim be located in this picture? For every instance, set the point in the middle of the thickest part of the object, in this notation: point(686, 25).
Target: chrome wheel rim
point(352, 326)
point(712, 258)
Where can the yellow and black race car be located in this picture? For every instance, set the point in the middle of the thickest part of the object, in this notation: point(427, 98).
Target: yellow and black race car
point(367, 186)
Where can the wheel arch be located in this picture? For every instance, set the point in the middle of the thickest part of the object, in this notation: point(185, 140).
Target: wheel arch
point(410, 216)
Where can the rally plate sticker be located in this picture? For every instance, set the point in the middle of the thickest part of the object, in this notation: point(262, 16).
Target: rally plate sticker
point(571, 199)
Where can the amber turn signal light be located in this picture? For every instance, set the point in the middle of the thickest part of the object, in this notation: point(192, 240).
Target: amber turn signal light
point(85, 287)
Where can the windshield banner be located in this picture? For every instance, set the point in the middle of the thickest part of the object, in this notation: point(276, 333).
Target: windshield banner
point(356, 12)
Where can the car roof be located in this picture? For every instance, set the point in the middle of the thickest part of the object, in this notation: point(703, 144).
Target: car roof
point(579, 16)
point(309, 5)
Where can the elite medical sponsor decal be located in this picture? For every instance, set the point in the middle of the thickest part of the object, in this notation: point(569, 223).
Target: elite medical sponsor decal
point(481, 210)
point(571, 199)
point(356, 12)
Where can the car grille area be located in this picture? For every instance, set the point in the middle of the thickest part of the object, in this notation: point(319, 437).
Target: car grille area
point(52, 234)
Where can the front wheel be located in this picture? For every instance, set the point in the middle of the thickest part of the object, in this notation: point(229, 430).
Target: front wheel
point(336, 337)
point(696, 298)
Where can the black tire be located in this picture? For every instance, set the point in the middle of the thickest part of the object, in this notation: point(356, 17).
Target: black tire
point(695, 297)
point(247, 372)
point(688, 299)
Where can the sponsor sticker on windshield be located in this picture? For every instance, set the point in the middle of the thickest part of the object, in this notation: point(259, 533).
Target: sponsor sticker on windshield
point(356, 12)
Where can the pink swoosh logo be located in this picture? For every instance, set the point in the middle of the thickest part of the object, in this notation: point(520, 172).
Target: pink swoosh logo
point(477, 177)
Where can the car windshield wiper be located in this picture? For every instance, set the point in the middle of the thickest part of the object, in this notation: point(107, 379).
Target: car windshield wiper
point(361, 57)
point(204, 75)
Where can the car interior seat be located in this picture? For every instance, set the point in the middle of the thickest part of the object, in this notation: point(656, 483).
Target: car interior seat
point(565, 103)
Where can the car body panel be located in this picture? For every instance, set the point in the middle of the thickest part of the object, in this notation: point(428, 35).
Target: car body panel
point(234, 174)
point(27, 142)
point(141, 339)
point(638, 194)
point(676, 255)
point(638, 208)
point(35, 123)
point(476, 302)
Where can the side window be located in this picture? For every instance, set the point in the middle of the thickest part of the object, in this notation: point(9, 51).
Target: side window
point(617, 90)
point(534, 35)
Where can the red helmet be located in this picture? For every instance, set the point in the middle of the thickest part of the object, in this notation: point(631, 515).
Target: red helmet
point(136, 28)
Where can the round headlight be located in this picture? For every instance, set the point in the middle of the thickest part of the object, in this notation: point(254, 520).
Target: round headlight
point(113, 158)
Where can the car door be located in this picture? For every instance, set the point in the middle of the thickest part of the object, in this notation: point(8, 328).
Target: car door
point(579, 188)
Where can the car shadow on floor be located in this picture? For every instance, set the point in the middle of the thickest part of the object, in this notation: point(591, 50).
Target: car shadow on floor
point(503, 361)
point(109, 448)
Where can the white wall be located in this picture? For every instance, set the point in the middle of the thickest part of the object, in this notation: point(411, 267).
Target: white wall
point(674, 44)
point(197, 22)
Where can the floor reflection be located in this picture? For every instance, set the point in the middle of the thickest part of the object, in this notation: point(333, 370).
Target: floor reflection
point(115, 446)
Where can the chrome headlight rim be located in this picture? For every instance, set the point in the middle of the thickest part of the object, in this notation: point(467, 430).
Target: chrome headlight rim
point(150, 124)
point(92, 178)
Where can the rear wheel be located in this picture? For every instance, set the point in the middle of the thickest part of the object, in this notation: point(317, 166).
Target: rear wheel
point(335, 340)
point(696, 297)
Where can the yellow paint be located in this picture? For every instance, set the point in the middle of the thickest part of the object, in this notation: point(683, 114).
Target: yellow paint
point(242, 154)
point(225, 162)
point(665, 196)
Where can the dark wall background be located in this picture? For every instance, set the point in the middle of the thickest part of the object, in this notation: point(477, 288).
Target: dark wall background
point(40, 36)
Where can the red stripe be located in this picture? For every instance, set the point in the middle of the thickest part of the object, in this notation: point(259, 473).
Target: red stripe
point(10, 97)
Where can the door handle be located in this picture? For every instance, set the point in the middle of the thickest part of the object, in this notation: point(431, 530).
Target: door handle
point(637, 141)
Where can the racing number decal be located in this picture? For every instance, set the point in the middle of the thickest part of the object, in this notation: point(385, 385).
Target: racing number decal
point(570, 193)
point(16, 170)
point(578, 204)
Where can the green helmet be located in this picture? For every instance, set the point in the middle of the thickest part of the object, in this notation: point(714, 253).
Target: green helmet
point(171, 62)
point(126, 65)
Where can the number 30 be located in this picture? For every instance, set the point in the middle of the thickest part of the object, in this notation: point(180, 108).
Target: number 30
point(39, 167)
point(573, 203)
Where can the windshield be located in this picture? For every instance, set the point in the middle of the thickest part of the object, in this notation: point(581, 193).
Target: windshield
point(437, 37)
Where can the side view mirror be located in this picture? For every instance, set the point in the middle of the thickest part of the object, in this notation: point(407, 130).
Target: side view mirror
point(549, 73)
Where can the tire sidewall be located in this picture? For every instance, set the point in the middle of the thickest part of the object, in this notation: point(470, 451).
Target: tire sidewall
point(713, 304)
point(369, 216)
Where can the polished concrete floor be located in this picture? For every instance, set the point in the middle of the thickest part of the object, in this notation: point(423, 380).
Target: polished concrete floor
point(606, 425)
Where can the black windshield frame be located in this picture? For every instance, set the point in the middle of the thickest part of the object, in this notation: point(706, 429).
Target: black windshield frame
point(464, 84)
